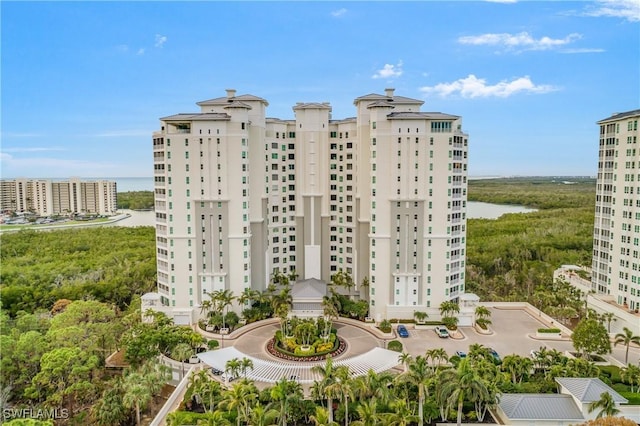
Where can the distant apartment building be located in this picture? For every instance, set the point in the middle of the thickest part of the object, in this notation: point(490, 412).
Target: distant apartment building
point(380, 196)
point(48, 197)
point(616, 236)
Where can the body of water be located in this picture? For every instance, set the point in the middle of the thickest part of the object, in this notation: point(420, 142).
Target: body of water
point(478, 210)
point(129, 184)
point(475, 210)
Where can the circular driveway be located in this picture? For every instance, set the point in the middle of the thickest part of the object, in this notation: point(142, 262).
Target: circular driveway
point(254, 342)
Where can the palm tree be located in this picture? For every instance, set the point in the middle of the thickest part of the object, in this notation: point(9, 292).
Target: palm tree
point(606, 404)
point(419, 374)
point(342, 387)
point(137, 395)
point(327, 374)
point(483, 315)
point(223, 299)
point(181, 352)
point(626, 338)
point(285, 391)
point(321, 418)
point(210, 391)
point(437, 355)
point(449, 308)
point(402, 414)
point(247, 296)
point(238, 398)
point(368, 414)
point(374, 386)
point(458, 385)
point(245, 364)
point(420, 316)
point(609, 317)
point(281, 304)
point(331, 308)
point(518, 367)
point(232, 368)
point(404, 359)
point(262, 416)
point(631, 374)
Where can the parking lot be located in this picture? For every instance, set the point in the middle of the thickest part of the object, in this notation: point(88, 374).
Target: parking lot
point(514, 332)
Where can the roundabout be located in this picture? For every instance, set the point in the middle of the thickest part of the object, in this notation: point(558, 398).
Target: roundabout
point(362, 353)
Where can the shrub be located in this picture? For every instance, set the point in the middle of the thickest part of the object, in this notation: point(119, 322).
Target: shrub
point(385, 326)
point(213, 344)
point(323, 347)
point(612, 371)
point(309, 350)
point(395, 345)
point(549, 330)
point(633, 397)
point(450, 322)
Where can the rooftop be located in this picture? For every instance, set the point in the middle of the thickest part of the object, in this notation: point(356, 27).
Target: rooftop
point(526, 406)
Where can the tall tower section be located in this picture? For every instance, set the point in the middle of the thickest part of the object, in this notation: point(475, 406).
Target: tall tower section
point(418, 189)
point(616, 234)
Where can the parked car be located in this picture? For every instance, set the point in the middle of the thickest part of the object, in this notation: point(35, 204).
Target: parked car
point(216, 372)
point(402, 331)
point(194, 359)
point(461, 354)
point(442, 331)
point(227, 377)
point(496, 357)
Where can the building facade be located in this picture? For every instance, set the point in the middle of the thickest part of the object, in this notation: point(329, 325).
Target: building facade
point(380, 196)
point(46, 197)
point(616, 242)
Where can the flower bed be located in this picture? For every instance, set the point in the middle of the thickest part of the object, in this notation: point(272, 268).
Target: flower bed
point(338, 348)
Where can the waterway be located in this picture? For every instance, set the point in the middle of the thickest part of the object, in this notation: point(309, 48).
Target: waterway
point(475, 210)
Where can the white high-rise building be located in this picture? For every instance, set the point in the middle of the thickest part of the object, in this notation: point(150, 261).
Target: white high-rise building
point(48, 197)
point(380, 196)
point(616, 236)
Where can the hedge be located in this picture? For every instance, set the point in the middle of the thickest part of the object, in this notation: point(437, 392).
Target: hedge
point(548, 330)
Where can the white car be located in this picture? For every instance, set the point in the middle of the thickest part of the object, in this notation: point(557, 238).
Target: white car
point(442, 332)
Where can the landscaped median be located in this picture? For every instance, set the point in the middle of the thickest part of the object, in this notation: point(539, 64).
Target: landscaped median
point(549, 333)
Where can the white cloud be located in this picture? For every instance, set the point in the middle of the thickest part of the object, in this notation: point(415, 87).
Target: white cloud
point(474, 87)
point(520, 41)
point(32, 149)
point(625, 9)
point(583, 50)
point(122, 48)
point(389, 71)
point(160, 40)
point(140, 51)
point(339, 13)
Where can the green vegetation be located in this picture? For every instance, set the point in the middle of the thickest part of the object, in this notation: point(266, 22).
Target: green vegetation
point(513, 257)
point(58, 361)
point(107, 264)
point(135, 200)
point(395, 345)
point(549, 330)
point(543, 193)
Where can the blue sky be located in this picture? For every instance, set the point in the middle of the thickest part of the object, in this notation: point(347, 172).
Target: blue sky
point(84, 83)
